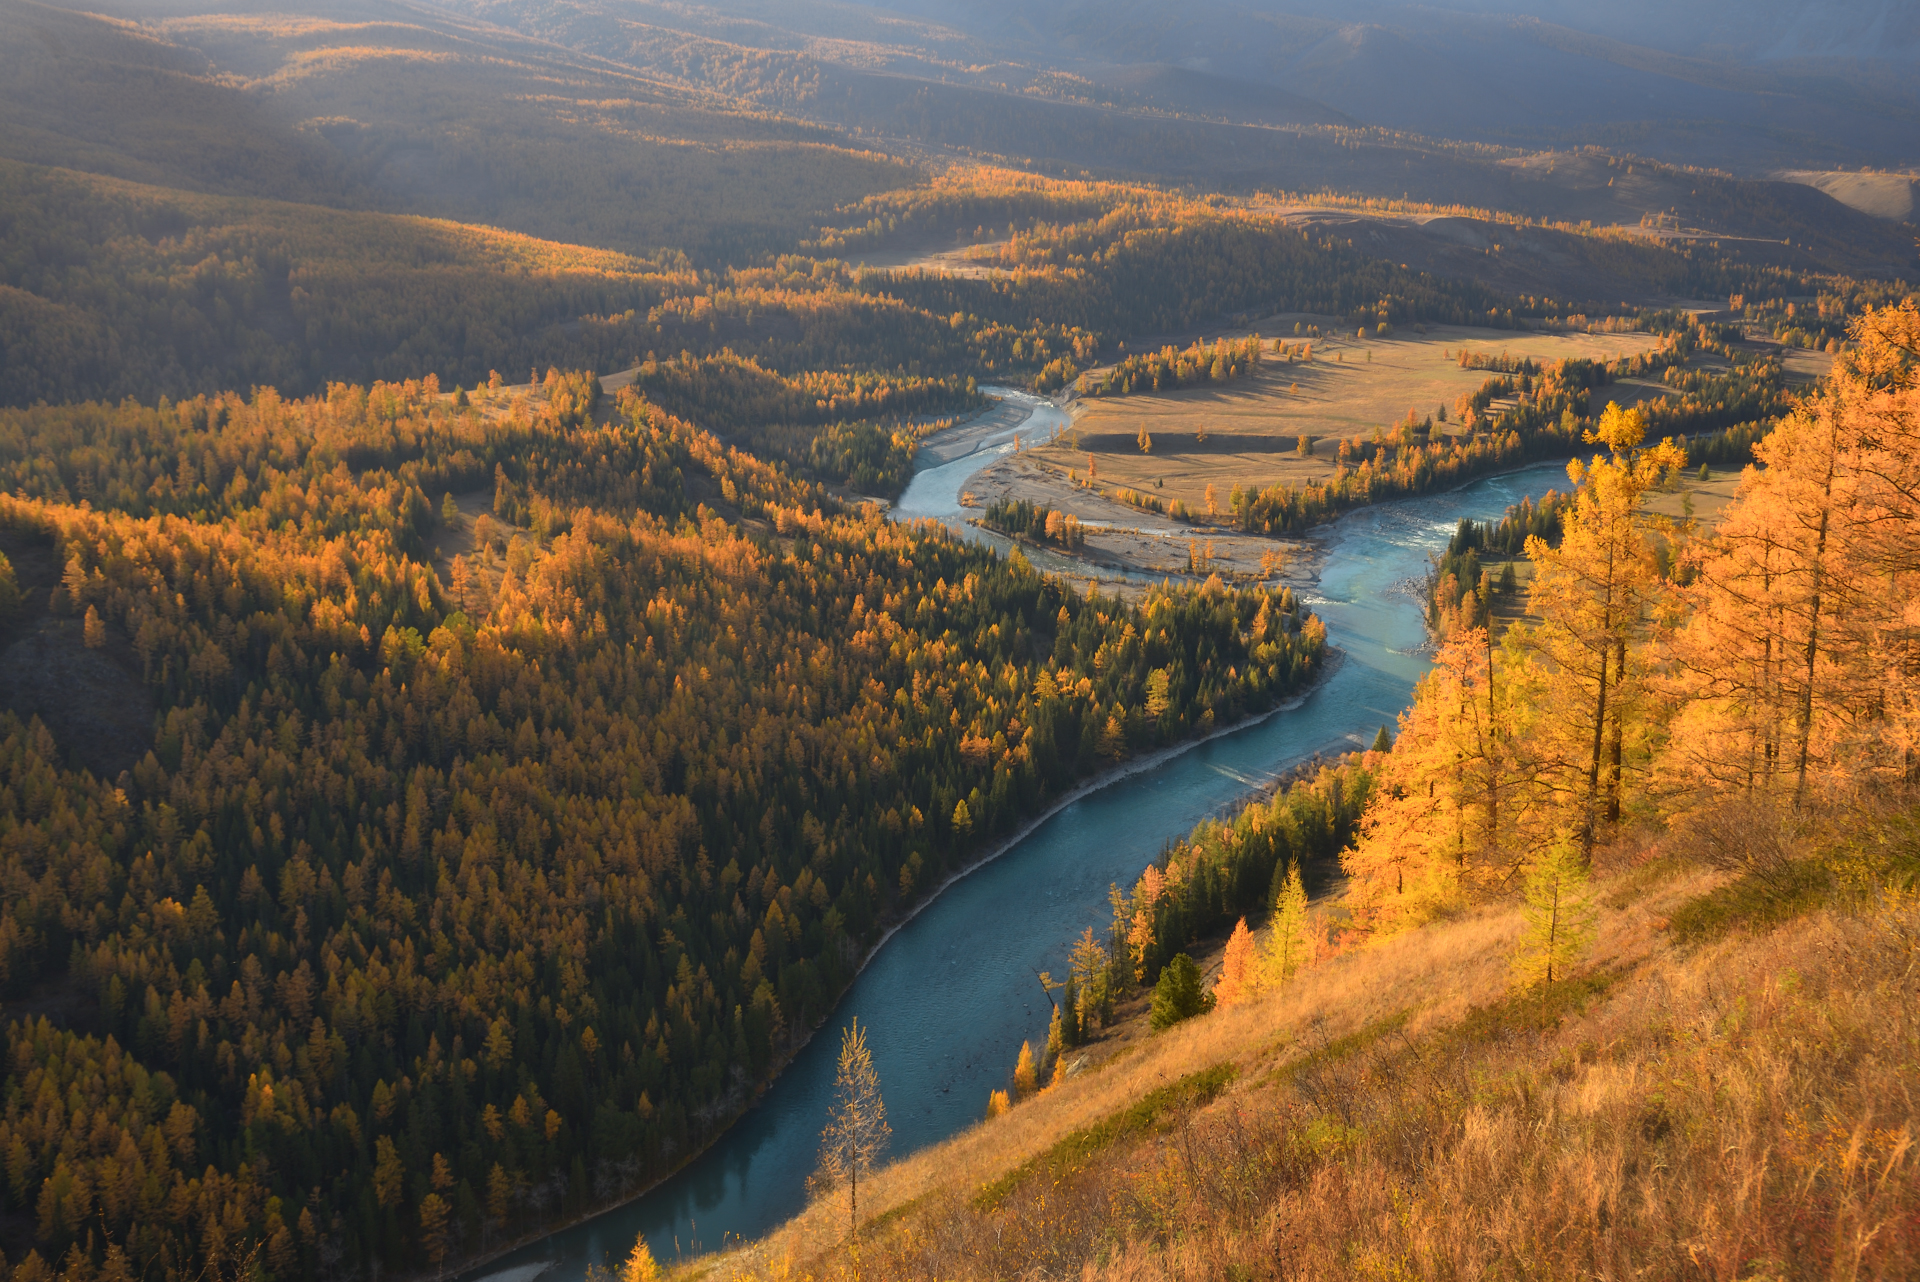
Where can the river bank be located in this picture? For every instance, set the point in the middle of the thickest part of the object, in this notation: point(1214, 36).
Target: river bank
point(948, 991)
point(1330, 665)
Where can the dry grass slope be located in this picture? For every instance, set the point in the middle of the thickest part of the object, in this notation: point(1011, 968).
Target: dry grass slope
point(1739, 1103)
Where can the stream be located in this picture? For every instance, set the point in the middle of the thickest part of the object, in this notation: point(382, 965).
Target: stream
point(950, 997)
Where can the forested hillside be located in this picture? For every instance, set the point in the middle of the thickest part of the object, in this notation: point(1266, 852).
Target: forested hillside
point(442, 905)
point(1620, 976)
point(112, 289)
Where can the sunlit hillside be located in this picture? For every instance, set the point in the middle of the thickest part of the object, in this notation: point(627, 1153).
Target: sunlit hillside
point(1618, 978)
point(424, 114)
point(1297, 617)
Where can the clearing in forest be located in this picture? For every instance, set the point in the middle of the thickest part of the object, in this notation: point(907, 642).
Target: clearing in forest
point(1348, 388)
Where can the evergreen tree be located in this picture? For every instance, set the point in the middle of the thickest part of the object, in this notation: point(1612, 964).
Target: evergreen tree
point(1179, 994)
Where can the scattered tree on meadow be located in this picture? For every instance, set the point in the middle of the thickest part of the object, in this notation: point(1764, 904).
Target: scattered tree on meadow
point(1238, 967)
point(1287, 948)
point(1558, 912)
point(856, 1133)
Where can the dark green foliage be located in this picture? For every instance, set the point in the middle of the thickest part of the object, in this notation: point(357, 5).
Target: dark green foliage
point(1229, 869)
point(1178, 994)
point(1457, 572)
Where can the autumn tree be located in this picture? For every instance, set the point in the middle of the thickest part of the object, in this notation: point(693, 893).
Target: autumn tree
point(1025, 1074)
point(1238, 967)
point(1594, 594)
point(1287, 946)
point(1794, 669)
point(640, 1266)
point(1559, 915)
point(856, 1133)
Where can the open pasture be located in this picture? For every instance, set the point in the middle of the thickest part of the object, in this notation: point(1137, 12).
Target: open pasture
point(1252, 426)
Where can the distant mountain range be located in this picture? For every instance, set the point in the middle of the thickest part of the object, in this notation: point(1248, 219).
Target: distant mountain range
point(740, 125)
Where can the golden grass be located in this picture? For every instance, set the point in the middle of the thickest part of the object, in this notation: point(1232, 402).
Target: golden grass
point(1741, 1110)
point(1335, 399)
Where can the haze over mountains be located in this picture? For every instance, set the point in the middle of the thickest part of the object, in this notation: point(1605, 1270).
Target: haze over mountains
point(1705, 83)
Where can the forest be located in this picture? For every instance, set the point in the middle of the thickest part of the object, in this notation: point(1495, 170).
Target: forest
point(111, 289)
point(1619, 959)
point(1761, 662)
point(430, 915)
point(532, 764)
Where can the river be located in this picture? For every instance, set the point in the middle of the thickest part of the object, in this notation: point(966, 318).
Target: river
point(950, 997)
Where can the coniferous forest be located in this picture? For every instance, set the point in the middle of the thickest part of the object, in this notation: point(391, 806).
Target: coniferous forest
point(468, 711)
point(441, 904)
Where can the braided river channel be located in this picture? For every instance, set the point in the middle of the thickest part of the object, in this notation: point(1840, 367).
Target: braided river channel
point(951, 995)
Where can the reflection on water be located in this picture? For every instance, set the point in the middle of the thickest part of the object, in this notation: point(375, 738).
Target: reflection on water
point(952, 995)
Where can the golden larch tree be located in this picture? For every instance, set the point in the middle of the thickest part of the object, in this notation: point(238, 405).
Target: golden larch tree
point(856, 1133)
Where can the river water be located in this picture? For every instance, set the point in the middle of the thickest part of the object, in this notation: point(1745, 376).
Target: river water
point(950, 997)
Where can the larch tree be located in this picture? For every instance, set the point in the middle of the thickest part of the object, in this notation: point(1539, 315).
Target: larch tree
point(1796, 668)
point(640, 1265)
point(1287, 947)
point(1559, 915)
point(1594, 595)
point(1026, 1075)
point(856, 1133)
point(1238, 967)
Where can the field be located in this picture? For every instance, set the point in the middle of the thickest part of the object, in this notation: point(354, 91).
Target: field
point(1349, 388)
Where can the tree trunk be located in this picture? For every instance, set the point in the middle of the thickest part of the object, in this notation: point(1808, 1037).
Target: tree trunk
point(1813, 637)
point(1616, 738)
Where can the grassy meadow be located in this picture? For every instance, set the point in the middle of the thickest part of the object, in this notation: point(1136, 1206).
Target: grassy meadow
point(1348, 388)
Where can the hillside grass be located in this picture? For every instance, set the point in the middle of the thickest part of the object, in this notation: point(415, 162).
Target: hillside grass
point(1727, 1090)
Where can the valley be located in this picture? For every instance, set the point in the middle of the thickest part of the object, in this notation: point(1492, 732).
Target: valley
point(1283, 630)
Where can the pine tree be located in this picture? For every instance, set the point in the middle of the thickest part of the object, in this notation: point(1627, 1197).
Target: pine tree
point(1559, 915)
point(856, 1133)
point(998, 1105)
point(1178, 994)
